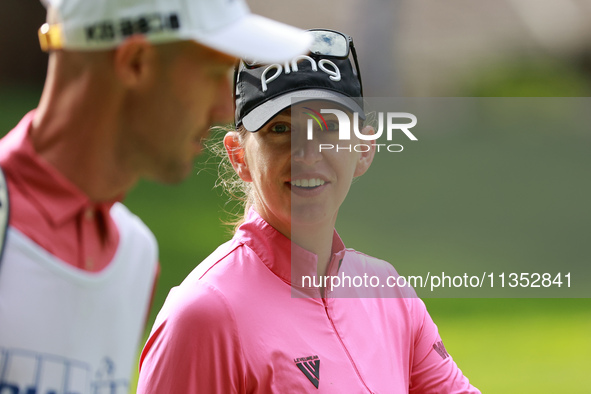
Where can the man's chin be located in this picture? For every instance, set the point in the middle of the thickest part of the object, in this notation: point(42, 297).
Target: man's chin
point(173, 176)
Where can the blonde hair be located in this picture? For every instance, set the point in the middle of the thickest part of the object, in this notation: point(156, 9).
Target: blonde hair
point(237, 190)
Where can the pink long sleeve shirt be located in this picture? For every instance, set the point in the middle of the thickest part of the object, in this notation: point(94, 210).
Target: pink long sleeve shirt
point(235, 326)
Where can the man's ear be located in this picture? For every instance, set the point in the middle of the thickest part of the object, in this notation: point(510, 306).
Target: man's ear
point(366, 158)
point(135, 61)
point(236, 154)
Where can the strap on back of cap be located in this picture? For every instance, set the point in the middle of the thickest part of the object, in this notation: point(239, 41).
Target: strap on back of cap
point(4, 212)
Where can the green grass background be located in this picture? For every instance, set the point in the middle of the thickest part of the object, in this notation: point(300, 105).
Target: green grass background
point(502, 345)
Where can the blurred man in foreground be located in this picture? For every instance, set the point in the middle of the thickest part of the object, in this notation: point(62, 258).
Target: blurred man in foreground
point(132, 88)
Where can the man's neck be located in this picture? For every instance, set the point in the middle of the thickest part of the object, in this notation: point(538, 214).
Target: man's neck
point(75, 130)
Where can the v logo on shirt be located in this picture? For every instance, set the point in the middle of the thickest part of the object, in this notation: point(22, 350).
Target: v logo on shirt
point(310, 366)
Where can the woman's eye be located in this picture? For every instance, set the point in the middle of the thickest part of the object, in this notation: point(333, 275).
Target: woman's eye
point(280, 128)
point(332, 125)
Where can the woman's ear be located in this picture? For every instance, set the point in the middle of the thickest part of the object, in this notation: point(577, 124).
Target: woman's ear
point(366, 158)
point(235, 152)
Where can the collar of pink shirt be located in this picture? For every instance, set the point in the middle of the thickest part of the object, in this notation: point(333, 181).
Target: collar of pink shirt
point(278, 252)
point(39, 191)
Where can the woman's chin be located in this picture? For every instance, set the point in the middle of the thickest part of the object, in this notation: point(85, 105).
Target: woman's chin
point(310, 216)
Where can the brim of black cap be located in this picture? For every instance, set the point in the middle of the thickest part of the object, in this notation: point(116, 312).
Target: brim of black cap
point(263, 113)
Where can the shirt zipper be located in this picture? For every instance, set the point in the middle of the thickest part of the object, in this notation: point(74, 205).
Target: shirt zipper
point(325, 302)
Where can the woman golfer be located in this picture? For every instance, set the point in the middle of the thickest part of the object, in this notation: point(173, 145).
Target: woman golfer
point(263, 314)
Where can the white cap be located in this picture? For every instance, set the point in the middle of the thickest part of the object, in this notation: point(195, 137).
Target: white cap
point(225, 25)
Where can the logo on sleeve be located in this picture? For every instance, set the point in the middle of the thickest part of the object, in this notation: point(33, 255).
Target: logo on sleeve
point(440, 349)
point(310, 366)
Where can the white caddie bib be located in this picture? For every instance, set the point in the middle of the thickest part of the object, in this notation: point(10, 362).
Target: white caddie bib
point(63, 330)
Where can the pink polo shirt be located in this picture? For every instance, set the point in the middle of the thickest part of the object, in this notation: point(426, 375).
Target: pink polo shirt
point(50, 210)
point(234, 326)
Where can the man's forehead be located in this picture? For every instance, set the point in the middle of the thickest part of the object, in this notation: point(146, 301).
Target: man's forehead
point(209, 55)
point(222, 58)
